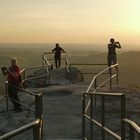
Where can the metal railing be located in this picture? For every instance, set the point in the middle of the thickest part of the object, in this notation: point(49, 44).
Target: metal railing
point(34, 125)
point(47, 61)
point(86, 65)
point(67, 65)
point(88, 108)
point(37, 124)
point(102, 124)
point(95, 86)
point(25, 73)
point(133, 127)
point(47, 57)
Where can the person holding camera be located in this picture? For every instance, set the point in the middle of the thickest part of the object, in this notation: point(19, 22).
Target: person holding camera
point(14, 83)
point(111, 58)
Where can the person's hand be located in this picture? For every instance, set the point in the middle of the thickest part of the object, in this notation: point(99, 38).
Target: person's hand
point(6, 69)
point(117, 42)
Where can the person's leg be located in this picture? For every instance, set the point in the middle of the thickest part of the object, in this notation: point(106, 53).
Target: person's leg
point(55, 62)
point(12, 92)
point(115, 61)
point(109, 60)
point(59, 62)
point(17, 99)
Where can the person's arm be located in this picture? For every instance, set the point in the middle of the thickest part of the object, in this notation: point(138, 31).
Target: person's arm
point(118, 45)
point(53, 50)
point(108, 46)
point(62, 50)
point(14, 74)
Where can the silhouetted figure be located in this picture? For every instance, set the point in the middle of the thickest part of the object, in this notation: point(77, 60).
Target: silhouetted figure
point(14, 78)
point(112, 59)
point(57, 50)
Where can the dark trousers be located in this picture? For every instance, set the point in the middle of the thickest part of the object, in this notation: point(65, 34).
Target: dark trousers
point(57, 62)
point(112, 59)
point(12, 92)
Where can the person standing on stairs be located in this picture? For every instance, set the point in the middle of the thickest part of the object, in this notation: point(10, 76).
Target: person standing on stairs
point(57, 50)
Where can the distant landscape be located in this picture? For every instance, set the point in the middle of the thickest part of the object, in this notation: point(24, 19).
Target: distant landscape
point(29, 55)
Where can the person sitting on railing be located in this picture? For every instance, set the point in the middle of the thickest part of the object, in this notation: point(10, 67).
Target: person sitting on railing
point(57, 50)
point(112, 59)
point(14, 80)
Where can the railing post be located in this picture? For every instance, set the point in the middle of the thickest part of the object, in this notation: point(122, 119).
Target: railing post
point(131, 132)
point(95, 86)
point(66, 62)
point(91, 116)
point(70, 74)
point(110, 73)
point(117, 79)
point(38, 115)
point(83, 117)
point(65, 66)
point(49, 75)
point(43, 59)
point(36, 132)
point(24, 76)
point(122, 117)
point(103, 116)
point(6, 86)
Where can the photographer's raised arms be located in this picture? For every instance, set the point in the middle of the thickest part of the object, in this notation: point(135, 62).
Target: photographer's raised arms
point(111, 58)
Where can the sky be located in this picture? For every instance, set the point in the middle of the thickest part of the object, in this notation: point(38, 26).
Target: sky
point(69, 21)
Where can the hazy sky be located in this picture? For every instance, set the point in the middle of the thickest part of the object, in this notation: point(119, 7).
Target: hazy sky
point(70, 21)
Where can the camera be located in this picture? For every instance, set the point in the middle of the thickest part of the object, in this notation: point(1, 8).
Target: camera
point(4, 70)
point(117, 42)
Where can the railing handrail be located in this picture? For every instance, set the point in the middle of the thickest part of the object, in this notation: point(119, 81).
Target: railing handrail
point(132, 124)
point(52, 52)
point(45, 59)
point(36, 67)
point(94, 78)
point(88, 64)
point(19, 130)
point(21, 89)
point(67, 65)
point(111, 77)
point(104, 93)
point(35, 77)
point(24, 70)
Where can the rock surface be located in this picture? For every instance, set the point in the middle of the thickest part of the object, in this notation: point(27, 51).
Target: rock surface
point(62, 109)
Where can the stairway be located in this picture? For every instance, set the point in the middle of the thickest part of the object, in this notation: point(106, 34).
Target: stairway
point(58, 76)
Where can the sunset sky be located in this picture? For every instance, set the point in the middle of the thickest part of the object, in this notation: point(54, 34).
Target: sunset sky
point(69, 21)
